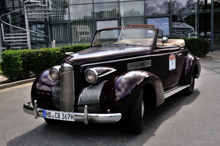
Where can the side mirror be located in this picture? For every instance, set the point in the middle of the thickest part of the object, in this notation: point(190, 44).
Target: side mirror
point(164, 40)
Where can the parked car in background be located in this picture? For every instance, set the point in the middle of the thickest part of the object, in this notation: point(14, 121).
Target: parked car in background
point(125, 71)
point(180, 29)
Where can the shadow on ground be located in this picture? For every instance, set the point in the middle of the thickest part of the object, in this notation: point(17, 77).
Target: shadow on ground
point(66, 133)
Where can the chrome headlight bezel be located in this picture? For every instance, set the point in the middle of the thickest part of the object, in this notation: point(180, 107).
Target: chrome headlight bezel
point(93, 75)
point(54, 72)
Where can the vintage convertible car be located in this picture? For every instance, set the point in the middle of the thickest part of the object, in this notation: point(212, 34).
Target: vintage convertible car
point(125, 71)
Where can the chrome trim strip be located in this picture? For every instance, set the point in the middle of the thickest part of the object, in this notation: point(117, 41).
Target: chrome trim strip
point(118, 60)
point(172, 92)
point(107, 73)
point(166, 53)
point(79, 117)
point(120, 35)
point(85, 115)
point(35, 109)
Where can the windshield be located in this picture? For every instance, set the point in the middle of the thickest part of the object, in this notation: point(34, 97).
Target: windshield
point(127, 36)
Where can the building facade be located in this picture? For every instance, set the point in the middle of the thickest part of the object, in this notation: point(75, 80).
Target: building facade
point(75, 21)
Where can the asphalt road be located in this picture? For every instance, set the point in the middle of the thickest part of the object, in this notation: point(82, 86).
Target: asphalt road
point(181, 120)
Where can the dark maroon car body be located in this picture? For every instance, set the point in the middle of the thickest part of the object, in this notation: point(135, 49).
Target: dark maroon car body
point(136, 68)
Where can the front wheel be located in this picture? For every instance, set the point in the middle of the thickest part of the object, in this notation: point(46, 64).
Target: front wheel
point(136, 115)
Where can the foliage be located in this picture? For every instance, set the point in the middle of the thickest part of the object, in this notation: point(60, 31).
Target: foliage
point(0, 68)
point(17, 64)
point(197, 46)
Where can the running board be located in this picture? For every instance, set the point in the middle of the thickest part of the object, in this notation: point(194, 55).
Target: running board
point(174, 90)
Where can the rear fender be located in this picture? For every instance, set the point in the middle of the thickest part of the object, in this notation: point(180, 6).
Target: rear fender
point(191, 65)
point(125, 87)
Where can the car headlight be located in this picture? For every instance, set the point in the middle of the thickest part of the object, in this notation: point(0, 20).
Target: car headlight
point(54, 73)
point(91, 75)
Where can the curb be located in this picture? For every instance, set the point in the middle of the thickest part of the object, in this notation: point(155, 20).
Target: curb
point(8, 85)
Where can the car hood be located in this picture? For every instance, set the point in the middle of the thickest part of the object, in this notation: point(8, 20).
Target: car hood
point(104, 53)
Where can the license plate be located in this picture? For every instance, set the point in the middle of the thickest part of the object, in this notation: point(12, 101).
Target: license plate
point(57, 115)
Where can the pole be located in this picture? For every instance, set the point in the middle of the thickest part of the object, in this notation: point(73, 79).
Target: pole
point(27, 28)
point(212, 25)
point(3, 35)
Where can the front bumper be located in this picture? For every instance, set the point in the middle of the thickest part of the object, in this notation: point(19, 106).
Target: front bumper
point(79, 117)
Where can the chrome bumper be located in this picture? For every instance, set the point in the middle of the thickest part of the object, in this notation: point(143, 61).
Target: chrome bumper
point(79, 117)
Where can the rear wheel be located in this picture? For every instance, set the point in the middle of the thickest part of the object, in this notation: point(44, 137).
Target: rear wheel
point(189, 90)
point(136, 115)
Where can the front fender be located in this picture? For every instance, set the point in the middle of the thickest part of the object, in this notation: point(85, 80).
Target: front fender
point(125, 87)
point(42, 89)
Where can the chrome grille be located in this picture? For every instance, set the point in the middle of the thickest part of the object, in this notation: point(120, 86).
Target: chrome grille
point(67, 90)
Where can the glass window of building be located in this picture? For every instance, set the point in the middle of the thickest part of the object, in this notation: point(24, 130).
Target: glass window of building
point(205, 5)
point(60, 32)
point(183, 25)
point(134, 20)
point(59, 13)
point(132, 8)
point(21, 3)
point(184, 6)
point(107, 10)
point(204, 24)
point(79, 1)
point(157, 7)
point(81, 12)
point(16, 3)
point(82, 31)
point(9, 3)
point(39, 28)
point(216, 45)
point(217, 4)
point(101, 1)
point(161, 23)
point(216, 23)
point(106, 24)
point(59, 2)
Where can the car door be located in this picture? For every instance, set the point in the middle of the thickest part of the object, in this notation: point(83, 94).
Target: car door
point(168, 65)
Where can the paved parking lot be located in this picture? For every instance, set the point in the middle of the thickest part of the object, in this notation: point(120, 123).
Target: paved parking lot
point(181, 120)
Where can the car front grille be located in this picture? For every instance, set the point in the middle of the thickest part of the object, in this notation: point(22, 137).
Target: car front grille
point(67, 88)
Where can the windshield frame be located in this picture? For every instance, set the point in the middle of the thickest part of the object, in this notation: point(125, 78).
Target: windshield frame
point(104, 30)
point(122, 28)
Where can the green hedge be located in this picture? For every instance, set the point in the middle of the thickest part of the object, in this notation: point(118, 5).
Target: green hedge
point(17, 64)
point(0, 68)
point(197, 46)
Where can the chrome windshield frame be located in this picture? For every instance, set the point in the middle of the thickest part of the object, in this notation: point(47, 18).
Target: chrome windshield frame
point(122, 28)
point(105, 30)
point(120, 35)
